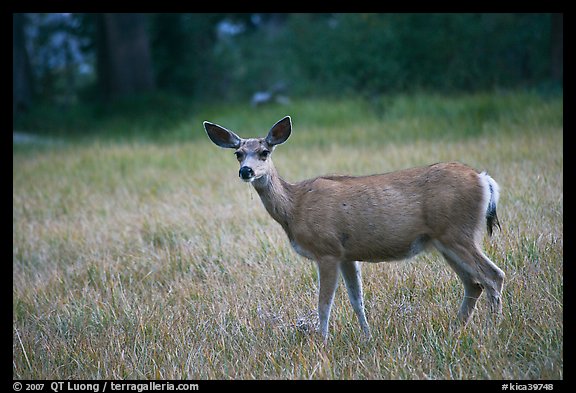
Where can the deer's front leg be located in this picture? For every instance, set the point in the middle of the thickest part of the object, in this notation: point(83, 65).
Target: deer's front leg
point(353, 280)
point(328, 269)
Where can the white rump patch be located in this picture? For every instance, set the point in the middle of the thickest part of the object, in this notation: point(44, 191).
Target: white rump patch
point(491, 191)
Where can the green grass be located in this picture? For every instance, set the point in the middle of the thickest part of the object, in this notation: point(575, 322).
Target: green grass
point(143, 256)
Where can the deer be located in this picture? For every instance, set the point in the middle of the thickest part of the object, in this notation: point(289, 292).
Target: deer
point(338, 221)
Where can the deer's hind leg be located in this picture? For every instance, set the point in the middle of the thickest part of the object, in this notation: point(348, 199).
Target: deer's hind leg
point(477, 273)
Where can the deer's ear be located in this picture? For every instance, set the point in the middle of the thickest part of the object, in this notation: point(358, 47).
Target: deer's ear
point(221, 136)
point(279, 132)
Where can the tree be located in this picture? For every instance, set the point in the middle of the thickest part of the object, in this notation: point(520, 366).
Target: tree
point(124, 61)
point(21, 71)
point(182, 49)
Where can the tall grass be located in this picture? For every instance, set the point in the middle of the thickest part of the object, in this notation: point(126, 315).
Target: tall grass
point(144, 259)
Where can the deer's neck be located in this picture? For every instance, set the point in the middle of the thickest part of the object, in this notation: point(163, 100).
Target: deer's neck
point(276, 195)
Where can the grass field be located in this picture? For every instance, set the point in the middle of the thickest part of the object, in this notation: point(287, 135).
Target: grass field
point(141, 257)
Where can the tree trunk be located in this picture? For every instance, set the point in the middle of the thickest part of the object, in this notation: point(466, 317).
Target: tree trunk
point(124, 60)
point(21, 71)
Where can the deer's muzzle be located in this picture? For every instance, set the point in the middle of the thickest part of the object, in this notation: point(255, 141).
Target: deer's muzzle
point(246, 173)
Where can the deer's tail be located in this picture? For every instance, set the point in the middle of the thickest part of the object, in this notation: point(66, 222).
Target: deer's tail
point(492, 193)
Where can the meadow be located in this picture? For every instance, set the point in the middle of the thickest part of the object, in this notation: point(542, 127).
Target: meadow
point(143, 256)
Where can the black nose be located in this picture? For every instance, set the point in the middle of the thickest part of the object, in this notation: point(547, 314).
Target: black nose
point(246, 172)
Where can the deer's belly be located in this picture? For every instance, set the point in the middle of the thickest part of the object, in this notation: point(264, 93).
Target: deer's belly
point(383, 250)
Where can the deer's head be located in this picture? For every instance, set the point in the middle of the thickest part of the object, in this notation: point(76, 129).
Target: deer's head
point(253, 154)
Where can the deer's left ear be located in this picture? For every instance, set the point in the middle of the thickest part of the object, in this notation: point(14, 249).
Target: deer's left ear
point(279, 132)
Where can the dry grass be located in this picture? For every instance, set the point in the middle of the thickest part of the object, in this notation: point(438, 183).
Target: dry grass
point(146, 261)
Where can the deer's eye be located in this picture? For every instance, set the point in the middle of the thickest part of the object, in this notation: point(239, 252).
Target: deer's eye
point(239, 155)
point(264, 154)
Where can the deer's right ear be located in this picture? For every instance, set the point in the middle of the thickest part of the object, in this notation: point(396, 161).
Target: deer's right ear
point(221, 136)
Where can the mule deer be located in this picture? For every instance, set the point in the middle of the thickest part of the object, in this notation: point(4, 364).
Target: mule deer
point(339, 220)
